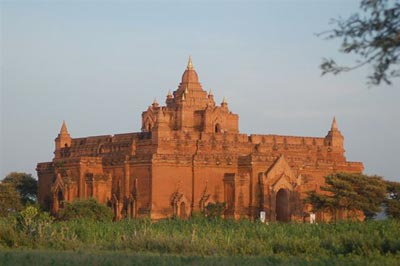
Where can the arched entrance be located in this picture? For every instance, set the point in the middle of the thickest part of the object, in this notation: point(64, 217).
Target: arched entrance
point(282, 206)
point(60, 199)
point(182, 210)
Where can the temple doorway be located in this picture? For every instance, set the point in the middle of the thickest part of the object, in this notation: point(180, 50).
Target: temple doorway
point(60, 199)
point(282, 206)
point(182, 210)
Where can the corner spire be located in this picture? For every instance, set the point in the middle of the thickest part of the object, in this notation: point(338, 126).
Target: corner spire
point(334, 124)
point(155, 103)
point(190, 64)
point(64, 129)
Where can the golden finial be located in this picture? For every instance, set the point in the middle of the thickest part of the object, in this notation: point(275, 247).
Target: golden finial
point(186, 89)
point(190, 64)
point(183, 96)
point(224, 101)
point(211, 93)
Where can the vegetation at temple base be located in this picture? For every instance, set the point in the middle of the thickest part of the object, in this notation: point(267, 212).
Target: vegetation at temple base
point(372, 35)
point(215, 210)
point(88, 209)
point(350, 193)
point(34, 236)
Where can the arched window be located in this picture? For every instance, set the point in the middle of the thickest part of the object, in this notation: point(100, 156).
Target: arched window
point(217, 128)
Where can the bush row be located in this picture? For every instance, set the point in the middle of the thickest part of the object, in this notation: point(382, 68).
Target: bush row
point(200, 236)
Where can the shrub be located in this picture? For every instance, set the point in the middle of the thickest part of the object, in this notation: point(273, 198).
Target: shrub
point(215, 210)
point(85, 209)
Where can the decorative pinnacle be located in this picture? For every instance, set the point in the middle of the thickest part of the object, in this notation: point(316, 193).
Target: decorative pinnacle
point(190, 64)
point(211, 93)
point(186, 90)
point(224, 102)
point(155, 103)
point(64, 129)
point(169, 93)
point(183, 97)
point(334, 124)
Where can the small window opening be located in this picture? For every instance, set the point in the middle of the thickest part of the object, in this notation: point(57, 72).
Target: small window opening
point(217, 128)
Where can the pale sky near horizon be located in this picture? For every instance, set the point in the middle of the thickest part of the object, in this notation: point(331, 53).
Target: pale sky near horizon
point(99, 64)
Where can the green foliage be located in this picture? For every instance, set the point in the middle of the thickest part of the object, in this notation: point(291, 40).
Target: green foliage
point(29, 227)
point(350, 192)
point(318, 201)
point(215, 210)
point(373, 36)
point(10, 199)
point(393, 200)
point(205, 237)
point(25, 184)
point(88, 209)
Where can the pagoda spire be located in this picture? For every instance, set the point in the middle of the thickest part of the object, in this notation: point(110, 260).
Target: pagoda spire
point(190, 64)
point(63, 139)
point(334, 124)
point(155, 103)
point(64, 130)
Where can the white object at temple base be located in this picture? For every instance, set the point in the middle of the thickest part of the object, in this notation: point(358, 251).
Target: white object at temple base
point(262, 216)
point(312, 218)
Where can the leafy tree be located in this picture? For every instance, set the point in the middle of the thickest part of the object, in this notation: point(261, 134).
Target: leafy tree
point(393, 201)
point(10, 199)
point(25, 184)
point(318, 201)
point(87, 209)
point(350, 192)
point(373, 36)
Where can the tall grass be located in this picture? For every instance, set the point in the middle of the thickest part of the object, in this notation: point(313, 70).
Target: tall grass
point(202, 237)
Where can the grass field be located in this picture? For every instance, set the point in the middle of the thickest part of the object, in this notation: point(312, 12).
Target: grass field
point(199, 242)
point(69, 258)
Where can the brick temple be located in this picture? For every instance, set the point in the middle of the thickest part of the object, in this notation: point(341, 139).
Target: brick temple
point(188, 154)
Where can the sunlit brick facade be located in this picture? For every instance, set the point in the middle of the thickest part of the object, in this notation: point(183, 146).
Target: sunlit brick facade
point(188, 154)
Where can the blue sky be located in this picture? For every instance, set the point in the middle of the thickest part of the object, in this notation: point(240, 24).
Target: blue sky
point(99, 64)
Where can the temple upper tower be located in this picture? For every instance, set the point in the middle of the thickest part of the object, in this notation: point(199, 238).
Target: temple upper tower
point(189, 108)
point(334, 138)
point(190, 92)
point(63, 139)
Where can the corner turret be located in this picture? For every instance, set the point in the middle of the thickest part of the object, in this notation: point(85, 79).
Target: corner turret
point(334, 138)
point(63, 139)
point(224, 103)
